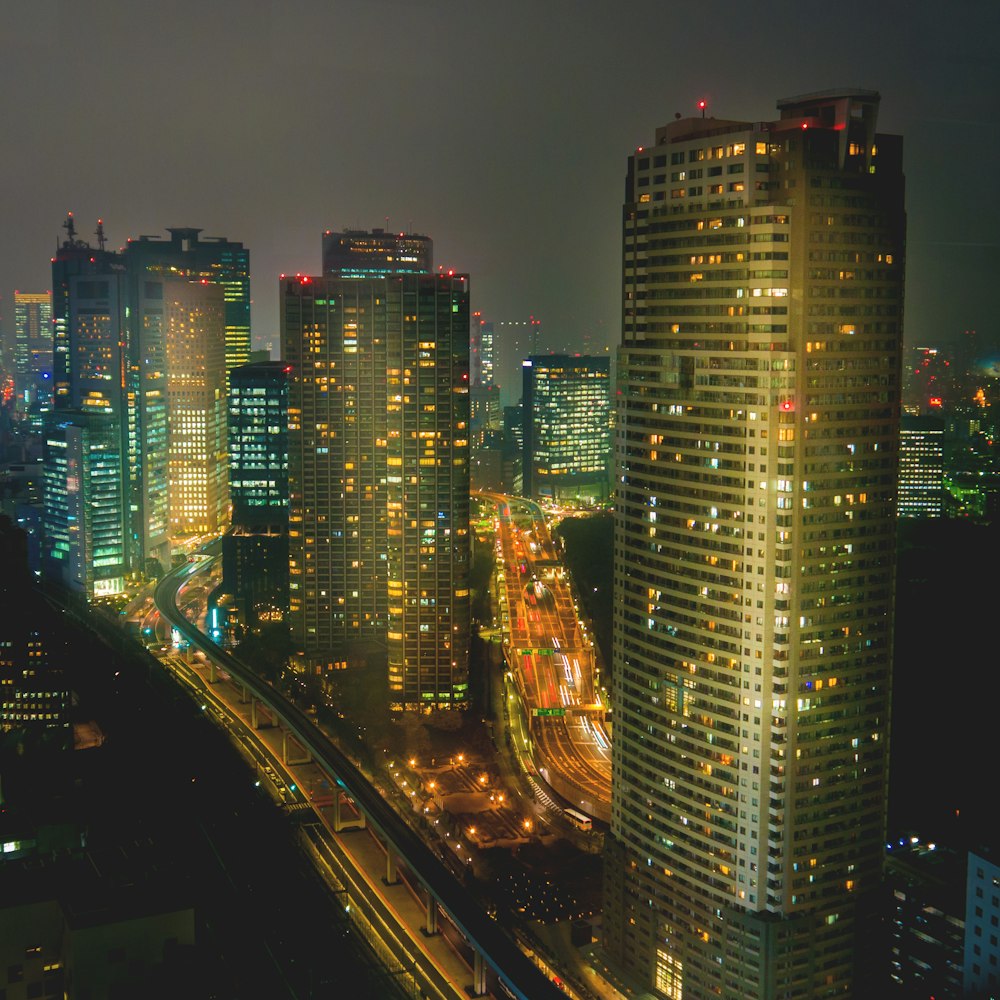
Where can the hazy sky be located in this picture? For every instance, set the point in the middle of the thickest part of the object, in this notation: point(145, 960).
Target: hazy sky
point(500, 129)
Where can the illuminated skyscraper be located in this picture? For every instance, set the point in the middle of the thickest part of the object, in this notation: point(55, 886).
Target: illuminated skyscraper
point(84, 549)
point(567, 432)
point(215, 259)
point(86, 521)
point(481, 354)
point(196, 406)
point(756, 461)
point(33, 349)
point(379, 474)
point(255, 550)
point(88, 337)
point(921, 467)
point(363, 254)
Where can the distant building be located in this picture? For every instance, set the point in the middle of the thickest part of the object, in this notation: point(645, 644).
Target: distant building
point(34, 692)
point(140, 337)
point(88, 321)
point(921, 467)
point(255, 550)
point(513, 449)
point(359, 253)
point(486, 414)
point(566, 405)
point(926, 886)
point(84, 547)
point(481, 367)
point(33, 350)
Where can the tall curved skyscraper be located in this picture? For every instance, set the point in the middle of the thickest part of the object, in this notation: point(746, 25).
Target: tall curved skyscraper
point(756, 463)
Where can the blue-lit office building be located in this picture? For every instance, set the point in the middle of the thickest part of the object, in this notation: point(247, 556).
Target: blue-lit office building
point(84, 548)
point(921, 467)
point(567, 427)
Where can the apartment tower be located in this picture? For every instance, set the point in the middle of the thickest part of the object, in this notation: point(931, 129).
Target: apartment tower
point(756, 461)
point(379, 465)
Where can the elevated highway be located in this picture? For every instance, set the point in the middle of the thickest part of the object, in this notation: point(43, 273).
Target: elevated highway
point(500, 968)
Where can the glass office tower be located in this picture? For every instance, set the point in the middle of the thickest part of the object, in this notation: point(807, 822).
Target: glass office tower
point(567, 431)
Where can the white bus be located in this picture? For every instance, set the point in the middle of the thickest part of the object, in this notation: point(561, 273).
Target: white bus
point(578, 819)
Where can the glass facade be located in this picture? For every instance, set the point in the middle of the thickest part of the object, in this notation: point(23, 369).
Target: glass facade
point(85, 548)
point(255, 551)
point(196, 406)
point(921, 467)
point(567, 427)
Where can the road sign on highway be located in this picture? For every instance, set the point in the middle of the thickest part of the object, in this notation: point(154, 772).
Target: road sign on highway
point(548, 711)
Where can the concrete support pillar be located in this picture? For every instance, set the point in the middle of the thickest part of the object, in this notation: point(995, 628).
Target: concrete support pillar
point(391, 876)
point(244, 694)
point(430, 927)
point(288, 743)
point(211, 672)
point(342, 822)
point(253, 713)
point(478, 974)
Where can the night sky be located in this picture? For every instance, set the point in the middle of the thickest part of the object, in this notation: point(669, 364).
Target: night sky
point(501, 130)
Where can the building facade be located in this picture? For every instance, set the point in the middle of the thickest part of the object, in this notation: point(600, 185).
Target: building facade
point(379, 475)
point(33, 350)
point(566, 404)
point(84, 547)
point(981, 952)
point(921, 467)
point(758, 388)
point(34, 692)
point(359, 253)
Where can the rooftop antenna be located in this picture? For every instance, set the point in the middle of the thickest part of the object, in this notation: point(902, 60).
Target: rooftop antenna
point(702, 105)
point(99, 233)
point(70, 226)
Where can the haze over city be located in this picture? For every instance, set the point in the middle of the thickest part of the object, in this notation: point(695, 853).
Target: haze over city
point(499, 131)
point(563, 605)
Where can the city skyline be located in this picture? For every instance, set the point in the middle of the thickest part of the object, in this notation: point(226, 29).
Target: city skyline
point(518, 178)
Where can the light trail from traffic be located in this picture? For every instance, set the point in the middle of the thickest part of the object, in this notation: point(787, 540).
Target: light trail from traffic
point(551, 659)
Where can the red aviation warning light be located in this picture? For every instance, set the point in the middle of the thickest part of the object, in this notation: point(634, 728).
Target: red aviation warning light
point(787, 406)
point(935, 401)
point(702, 104)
